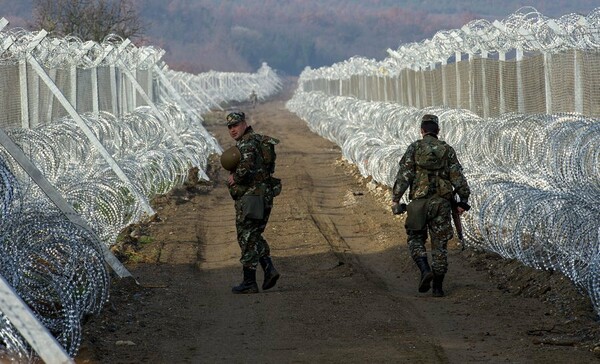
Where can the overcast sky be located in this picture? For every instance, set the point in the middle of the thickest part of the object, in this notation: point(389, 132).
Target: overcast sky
point(238, 35)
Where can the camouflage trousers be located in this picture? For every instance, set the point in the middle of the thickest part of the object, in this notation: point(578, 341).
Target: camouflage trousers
point(249, 235)
point(439, 225)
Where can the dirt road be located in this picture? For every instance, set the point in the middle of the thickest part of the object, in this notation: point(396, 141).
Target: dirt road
point(348, 291)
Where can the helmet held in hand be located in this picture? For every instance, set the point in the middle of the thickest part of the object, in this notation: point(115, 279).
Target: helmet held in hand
point(231, 158)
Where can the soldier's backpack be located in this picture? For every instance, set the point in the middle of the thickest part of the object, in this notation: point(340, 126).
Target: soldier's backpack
point(269, 156)
point(267, 146)
point(432, 164)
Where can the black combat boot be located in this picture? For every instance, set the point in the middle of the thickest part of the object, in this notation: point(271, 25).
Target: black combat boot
point(271, 274)
point(426, 274)
point(249, 284)
point(437, 285)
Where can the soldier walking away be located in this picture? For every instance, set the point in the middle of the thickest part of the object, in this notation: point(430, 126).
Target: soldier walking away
point(432, 173)
point(253, 99)
point(251, 163)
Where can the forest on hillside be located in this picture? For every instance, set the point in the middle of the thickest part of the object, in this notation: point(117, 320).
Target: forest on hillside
point(289, 35)
point(238, 35)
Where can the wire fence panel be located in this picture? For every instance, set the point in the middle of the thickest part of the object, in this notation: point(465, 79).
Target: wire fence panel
point(590, 88)
point(535, 178)
point(90, 132)
point(544, 51)
point(525, 128)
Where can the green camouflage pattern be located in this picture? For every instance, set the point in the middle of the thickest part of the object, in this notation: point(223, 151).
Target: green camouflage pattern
point(253, 176)
point(430, 167)
point(254, 171)
point(439, 224)
point(430, 170)
point(249, 236)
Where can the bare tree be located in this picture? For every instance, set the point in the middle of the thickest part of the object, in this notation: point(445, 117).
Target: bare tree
point(88, 19)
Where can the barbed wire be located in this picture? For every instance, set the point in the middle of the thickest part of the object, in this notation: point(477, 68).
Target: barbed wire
point(57, 268)
point(54, 266)
point(526, 29)
point(71, 51)
point(535, 178)
point(208, 90)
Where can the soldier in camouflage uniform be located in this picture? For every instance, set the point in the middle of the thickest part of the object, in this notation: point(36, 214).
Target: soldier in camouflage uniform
point(253, 99)
point(434, 175)
point(253, 188)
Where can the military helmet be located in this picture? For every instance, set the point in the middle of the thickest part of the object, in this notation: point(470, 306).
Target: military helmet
point(231, 158)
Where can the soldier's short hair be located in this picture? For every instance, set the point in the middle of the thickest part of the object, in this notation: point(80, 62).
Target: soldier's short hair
point(430, 124)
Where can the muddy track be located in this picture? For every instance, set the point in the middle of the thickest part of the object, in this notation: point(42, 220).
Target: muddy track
point(348, 291)
point(312, 222)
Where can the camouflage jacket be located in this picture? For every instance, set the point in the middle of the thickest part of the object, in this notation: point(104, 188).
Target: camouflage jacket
point(430, 167)
point(253, 173)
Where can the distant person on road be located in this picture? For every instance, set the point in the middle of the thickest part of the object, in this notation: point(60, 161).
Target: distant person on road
point(253, 99)
point(430, 168)
point(253, 187)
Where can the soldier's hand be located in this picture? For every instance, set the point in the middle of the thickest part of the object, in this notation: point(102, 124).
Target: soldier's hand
point(462, 207)
point(230, 180)
point(398, 208)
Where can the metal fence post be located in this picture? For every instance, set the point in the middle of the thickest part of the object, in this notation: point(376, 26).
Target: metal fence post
point(548, 81)
point(457, 60)
point(578, 82)
point(73, 84)
point(502, 60)
point(444, 83)
point(32, 330)
point(471, 83)
point(484, 91)
point(409, 87)
point(520, 95)
point(86, 130)
point(114, 98)
point(25, 122)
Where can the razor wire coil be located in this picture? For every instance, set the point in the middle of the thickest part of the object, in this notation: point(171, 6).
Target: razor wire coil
point(535, 179)
point(58, 268)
